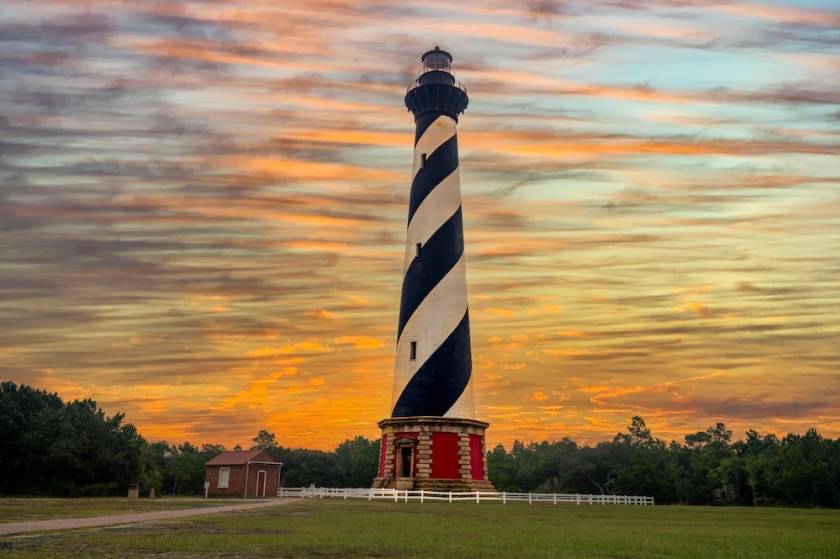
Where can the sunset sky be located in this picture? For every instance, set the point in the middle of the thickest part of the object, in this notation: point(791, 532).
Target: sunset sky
point(203, 208)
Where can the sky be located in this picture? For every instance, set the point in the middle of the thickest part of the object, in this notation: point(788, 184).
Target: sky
point(203, 207)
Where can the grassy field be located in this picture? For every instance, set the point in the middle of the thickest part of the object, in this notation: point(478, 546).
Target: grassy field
point(462, 530)
point(24, 510)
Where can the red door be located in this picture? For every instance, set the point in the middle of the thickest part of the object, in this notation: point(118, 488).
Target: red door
point(261, 483)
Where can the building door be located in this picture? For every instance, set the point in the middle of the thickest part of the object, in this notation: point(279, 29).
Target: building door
point(261, 483)
point(405, 461)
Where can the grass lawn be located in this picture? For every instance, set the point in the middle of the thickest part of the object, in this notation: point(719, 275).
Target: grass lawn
point(26, 509)
point(328, 528)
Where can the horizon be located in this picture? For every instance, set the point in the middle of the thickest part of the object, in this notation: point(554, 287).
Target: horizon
point(202, 209)
point(248, 444)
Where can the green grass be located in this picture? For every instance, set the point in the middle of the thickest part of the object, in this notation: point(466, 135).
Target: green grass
point(26, 509)
point(327, 528)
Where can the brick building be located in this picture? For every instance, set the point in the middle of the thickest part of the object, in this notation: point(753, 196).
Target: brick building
point(242, 473)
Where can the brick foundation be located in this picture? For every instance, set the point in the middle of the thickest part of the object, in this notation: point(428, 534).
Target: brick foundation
point(445, 454)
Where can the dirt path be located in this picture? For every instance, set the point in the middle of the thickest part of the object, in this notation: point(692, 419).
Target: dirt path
point(69, 523)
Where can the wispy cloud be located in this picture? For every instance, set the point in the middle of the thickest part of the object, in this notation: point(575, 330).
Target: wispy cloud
point(204, 204)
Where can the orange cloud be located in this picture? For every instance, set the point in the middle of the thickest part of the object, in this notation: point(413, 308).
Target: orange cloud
point(539, 395)
point(305, 346)
point(360, 342)
point(300, 169)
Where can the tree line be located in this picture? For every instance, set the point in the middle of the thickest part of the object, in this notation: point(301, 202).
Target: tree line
point(49, 447)
point(706, 468)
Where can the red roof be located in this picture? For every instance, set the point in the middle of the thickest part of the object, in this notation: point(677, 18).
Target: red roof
point(237, 457)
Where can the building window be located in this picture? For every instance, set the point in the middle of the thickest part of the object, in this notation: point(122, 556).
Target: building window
point(418, 246)
point(224, 478)
point(413, 355)
point(422, 160)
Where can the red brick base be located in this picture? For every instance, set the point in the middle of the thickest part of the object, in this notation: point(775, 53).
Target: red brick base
point(433, 453)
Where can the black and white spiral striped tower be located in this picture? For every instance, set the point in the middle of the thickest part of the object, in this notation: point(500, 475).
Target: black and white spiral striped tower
point(432, 439)
point(433, 363)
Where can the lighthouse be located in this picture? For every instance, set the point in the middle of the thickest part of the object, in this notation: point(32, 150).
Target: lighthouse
point(432, 439)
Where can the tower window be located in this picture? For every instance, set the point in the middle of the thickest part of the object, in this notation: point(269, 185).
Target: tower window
point(413, 355)
point(418, 246)
point(422, 160)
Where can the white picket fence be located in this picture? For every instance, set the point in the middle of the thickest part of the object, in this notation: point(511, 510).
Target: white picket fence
point(422, 496)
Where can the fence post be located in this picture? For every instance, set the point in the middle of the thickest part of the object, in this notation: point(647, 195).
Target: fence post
point(554, 498)
point(346, 491)
point(421, 496)
point(577, 499)
point(370, 494)
point(504, 497)
point(406, 495)
point(450, 496)
point(529, 498)
point(396, 495)
point(476, 497)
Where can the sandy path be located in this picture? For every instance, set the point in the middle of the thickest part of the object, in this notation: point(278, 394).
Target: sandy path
point(70, 523)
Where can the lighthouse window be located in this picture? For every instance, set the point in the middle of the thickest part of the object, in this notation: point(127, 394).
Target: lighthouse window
point(418, 246)
point(422, 160)
point(413, 354)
